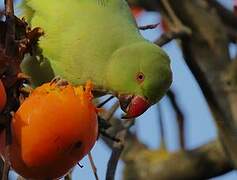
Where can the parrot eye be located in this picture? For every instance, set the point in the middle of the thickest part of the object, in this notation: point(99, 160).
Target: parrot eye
point(140, 77)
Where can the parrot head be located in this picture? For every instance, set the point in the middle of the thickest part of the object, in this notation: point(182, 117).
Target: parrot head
point(140, 75)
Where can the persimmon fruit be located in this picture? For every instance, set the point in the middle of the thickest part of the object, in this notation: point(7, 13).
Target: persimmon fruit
point(3, 96)
point(53, 129)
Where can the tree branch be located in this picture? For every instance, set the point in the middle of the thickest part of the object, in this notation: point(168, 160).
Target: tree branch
point(114, 158)
point(227, 17)
point(204, 162)
point(11, 49)
point(169, 36)
point(206, 53)
point(161, 127)
point(149, 26)
point(179, 116)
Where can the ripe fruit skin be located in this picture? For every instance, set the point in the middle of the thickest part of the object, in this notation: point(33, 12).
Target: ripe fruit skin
point(52, 130)
point(3, 96)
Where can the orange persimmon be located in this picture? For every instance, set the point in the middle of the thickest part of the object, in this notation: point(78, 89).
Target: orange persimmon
point(53, 129)
point(3, 96)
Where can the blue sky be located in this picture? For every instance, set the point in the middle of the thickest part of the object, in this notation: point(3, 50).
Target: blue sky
point(200, 127)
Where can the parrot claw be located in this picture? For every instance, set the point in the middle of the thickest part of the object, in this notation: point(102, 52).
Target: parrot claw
point(101, 2)
point(58, 81)
point(23, 76)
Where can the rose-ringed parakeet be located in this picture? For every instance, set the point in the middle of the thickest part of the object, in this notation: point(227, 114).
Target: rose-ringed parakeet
point(97, 40)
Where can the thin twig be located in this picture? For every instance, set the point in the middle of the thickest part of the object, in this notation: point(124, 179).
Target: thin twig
point(10, 33)
point(114, 158)
point(149, 26)
point(179, 116)
point(227, 16)
point(6, 166)
point(104, 123)
point(109, 114)
point(2, 13)
point(68, 176)
point(117, 150)
point(178, 29)
point(9, 10)
point(20, 178)
point(204, 162)
point(104, 102)
point(1, 167)
point(161, 125)
point(169, 36)
point(171, 13)
point(93, 166)
point(10, 51)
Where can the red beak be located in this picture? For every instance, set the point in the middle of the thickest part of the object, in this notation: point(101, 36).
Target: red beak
point(133, 106)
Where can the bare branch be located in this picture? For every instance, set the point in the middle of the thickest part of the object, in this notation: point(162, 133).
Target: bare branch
point(117, 150)
point(114, 158)
point(232, 34)
point(9, 10)
point(204, 162)
point(131, 139)
point(104, 122)
point(171, 13)
point(147, 27)
point(109, 114)
point(206, 53)
point(161, 125)
point(169, 36)
point(11, 48)
point(180, 118)
point(105, 101)
point(227, 17)
point(68, 176)
point(93, 166)
point(6, 166)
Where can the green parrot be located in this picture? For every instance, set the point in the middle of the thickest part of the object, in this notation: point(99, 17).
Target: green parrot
point(97, 40)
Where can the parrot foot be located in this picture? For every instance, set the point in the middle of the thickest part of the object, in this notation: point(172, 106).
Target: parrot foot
point(101, 2)
point(58, 81)
point(105, 134)
point(24, 80)
point(23, 46)
point(26, 88)
point(35, 34)
point(23, 76)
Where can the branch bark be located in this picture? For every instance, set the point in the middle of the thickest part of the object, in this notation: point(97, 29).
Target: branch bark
point(227, 17)
point(179, 117)
point(206, 53)
point(204, 162)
